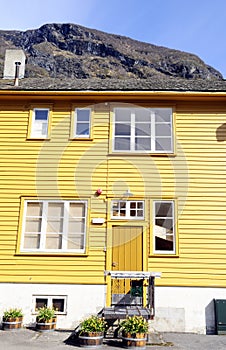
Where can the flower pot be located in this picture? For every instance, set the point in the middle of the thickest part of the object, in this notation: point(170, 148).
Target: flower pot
point(91, 339)
point(49, 325)
point(11, 323)
point(136, 340)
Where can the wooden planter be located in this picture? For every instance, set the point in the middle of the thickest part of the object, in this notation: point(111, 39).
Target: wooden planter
point(91, 339)
point(137, 340)
point(12, 323)
point(49, 325)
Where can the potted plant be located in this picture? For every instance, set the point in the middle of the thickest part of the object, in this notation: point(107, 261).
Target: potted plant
point(12, 319)
point(46, 319)
point(134, 331)
point(92, 331)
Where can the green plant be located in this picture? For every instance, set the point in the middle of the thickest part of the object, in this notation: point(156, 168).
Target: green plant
point(45, 313)
point(134, 324)
point(12, 313)
point(93, 324)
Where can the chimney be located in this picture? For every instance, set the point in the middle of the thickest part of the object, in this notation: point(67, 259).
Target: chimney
point(14, 66)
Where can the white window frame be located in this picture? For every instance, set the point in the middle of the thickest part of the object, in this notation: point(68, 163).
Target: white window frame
point(165, 252)
point(49, 302)
point(34, 134)
point(44, 225)
point(153, 136)
point(76, 122)
point(127, 210)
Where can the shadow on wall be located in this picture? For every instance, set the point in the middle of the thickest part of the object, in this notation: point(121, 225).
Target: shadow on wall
point(221, 133)
point(210, 317)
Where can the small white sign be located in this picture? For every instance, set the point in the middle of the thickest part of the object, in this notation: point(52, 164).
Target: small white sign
point(98, 221)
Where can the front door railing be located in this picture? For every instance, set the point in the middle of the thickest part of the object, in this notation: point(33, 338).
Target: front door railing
point(133, 288)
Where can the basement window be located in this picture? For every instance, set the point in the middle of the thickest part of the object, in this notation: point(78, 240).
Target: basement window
point(57, 302)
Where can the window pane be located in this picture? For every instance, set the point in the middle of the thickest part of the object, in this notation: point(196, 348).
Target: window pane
point(82, 129)
point(122, 205)
point(55, 226)
point(77, 210)
point(163, 115)
point(55, 209)
point(140, 205)
point(58, 304)
point(53, 241)
point(166, 223)
point(122, 129)
point(143, 129)
point(41, 302)
point(55, 217)
point(163, 130)
point(162, 244)
point(76, 226)
point(32, 241)
point(122, 144)
point(115, 208)
point(34, 209)
point(83, 115)
point(40, 123)
point(40, 129)
point(75, 242)
point(41, 114)
point(163, 209)
point(142, 115)
point(143, 143)
point(123, 115)
point(163, 144)
point(33, 225)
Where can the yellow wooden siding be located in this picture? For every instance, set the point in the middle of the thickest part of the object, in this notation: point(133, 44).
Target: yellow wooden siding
point(61, 167)
point(202, 215)
point(53, 168)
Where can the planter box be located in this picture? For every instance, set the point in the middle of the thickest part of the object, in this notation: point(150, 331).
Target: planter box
point(137, 340)
point(49, 325)
point(91, 339)
point(12, 323)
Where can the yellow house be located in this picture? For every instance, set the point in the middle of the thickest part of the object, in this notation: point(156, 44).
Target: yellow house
point(104, 176)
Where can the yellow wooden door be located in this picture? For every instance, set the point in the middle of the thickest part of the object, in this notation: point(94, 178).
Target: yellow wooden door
point(126, 256)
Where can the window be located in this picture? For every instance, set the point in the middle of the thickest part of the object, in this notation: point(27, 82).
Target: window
point(58, 303)
point(40, 123)
point(82, 122)
point(128, 210)
point(54, 226)
point(164, 227)
point(143, 130)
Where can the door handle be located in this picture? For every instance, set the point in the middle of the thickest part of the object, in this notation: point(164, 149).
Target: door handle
point(114, 264)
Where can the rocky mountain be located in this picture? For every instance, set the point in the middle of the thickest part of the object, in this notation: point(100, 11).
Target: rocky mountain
point(73, 51)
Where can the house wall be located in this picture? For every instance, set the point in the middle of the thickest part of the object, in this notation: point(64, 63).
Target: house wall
point(55, 168)
point(65, 168)
point(200, 188)
point(82, 300)
point(186, 309)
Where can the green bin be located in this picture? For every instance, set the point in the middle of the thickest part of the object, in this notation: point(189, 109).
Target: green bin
point(220, 315)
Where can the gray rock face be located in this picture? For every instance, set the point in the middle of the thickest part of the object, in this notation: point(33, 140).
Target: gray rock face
point(73, 51)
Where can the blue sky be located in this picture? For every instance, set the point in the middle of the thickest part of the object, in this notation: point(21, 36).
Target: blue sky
point(196, 26)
